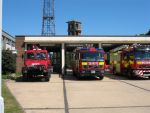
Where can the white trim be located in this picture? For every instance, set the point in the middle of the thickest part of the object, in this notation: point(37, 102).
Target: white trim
point(87, 39)
point(8, 36)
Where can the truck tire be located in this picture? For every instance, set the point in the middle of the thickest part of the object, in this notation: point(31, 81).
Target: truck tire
point(79, 77)
point(129, 74)
point(101, 77)
point(47, 79)
point(114, 72)
point(74, 74)
point(24, 77)
point(47, 76)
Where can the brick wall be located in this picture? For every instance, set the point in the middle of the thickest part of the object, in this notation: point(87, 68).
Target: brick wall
point(20, 51)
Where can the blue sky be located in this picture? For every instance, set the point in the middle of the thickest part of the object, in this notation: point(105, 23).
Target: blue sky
point(98, 17)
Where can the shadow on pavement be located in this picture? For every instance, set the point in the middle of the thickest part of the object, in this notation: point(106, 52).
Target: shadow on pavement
point(69, 77)
point(121, 77)
point(20, 79)
point(74, 78)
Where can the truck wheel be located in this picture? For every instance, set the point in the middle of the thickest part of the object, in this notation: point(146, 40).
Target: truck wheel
point(24, 78)
point(114, 72)
point(78, 76)
point(74, 74)
point(47, 77)
point(101, 77)
point(129, 74)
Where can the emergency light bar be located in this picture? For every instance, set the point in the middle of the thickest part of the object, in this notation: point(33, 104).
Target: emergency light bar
point(91, 49)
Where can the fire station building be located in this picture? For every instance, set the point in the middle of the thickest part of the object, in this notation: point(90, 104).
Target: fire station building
point(61, 47)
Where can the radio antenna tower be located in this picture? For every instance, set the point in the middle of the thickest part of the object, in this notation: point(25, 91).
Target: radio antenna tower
point(48, 20)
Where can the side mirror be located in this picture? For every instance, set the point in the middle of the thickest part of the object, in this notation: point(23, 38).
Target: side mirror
point(132, 57)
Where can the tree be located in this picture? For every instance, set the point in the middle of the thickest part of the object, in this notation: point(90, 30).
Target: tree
point(148, 33)
point(8, 62)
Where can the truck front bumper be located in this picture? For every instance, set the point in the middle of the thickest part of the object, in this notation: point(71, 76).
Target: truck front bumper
point(34, 71)
point(142, 73)
point(92, 73)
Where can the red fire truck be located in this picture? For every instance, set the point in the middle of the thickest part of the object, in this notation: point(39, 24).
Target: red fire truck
point(132, 61)
point(36, 64)
point(89, 62)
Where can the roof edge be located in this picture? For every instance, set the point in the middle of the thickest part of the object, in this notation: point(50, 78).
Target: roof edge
point(83, 36)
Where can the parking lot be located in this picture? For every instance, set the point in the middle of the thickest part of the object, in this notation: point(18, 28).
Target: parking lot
point(113, 94)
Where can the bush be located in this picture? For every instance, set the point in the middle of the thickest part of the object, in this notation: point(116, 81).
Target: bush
point(8, 62)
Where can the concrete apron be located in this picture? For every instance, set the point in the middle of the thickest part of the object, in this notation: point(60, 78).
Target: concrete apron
point(113, 94)
point(39, 97)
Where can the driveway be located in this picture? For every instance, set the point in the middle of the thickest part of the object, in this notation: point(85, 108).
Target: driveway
point(113, 94)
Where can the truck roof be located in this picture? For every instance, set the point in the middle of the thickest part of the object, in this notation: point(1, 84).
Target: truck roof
point(91, 49)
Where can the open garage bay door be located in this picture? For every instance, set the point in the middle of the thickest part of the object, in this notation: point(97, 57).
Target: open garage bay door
point(55, 55)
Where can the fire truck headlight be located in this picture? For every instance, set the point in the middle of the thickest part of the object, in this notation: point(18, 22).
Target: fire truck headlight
point(84, 63)
point(101, 63)
point(139, 62)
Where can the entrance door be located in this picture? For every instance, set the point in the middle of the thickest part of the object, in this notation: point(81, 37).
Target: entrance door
point(56, 61)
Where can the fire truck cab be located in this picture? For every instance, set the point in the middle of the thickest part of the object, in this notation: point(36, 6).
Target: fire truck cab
point(132, 61)
point(89, 62)
point(36, 64)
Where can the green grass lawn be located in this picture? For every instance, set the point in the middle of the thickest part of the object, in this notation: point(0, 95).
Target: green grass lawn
point(10, 103)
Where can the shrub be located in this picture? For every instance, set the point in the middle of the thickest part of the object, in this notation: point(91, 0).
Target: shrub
point(8, 62)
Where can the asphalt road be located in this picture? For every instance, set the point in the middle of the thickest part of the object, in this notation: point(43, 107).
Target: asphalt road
point(113, 94)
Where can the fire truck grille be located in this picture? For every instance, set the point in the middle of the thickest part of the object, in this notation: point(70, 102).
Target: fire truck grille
point(93, 66)
point(36, 67)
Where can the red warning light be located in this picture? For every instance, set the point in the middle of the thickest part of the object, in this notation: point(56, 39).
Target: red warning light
point(92, 49)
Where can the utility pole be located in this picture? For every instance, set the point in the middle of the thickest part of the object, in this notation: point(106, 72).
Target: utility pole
point(48, 22)
point(1, 98)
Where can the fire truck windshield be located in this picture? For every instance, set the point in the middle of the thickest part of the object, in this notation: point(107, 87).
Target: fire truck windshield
point(92, 56)
point(142, 55)
point(36, 56)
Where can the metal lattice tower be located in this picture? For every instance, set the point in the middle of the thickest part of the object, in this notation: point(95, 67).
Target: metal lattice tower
point(48, 22)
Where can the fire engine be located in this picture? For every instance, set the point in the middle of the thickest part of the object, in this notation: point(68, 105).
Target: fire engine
point(36, 64)
point(89, 62)
point(132, 61)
